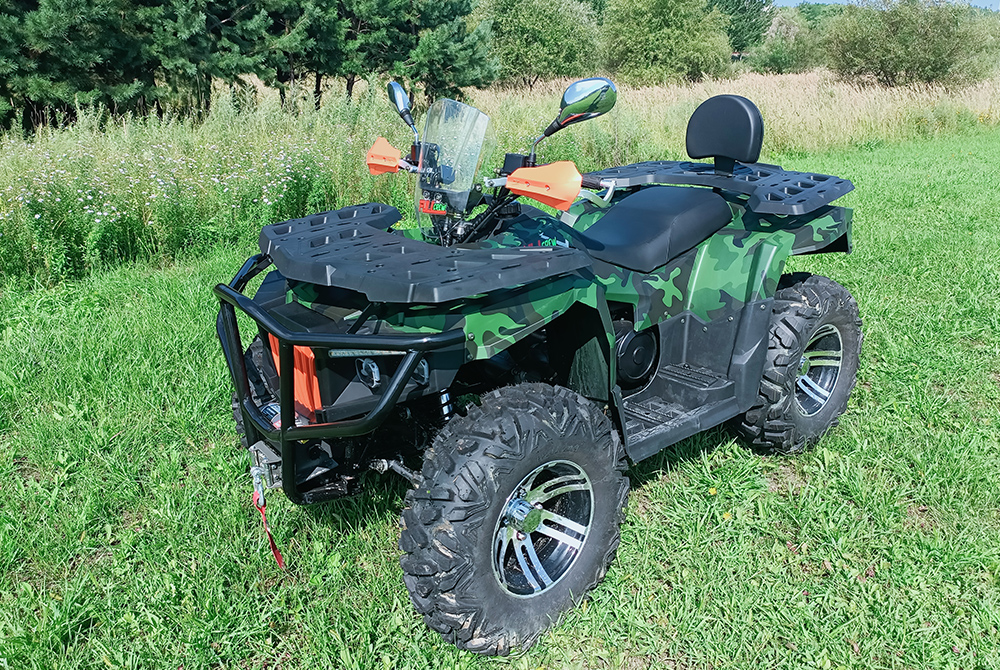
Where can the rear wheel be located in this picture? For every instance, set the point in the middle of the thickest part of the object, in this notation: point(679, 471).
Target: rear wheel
point(516, 519)
point(812, 363)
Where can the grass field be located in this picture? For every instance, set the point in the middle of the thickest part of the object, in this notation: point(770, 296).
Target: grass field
point(127, 538)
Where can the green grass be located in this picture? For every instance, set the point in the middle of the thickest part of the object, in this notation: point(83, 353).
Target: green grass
point(127, 538)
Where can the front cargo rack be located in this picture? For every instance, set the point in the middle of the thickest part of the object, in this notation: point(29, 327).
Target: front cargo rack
point(288, 436)
point(350, 248)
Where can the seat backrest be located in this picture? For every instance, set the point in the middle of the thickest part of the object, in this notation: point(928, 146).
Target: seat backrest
point(727, 128)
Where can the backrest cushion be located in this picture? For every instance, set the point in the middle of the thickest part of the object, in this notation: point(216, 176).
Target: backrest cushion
point(727, 126)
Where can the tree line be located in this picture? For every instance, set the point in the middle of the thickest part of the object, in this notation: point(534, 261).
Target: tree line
point(151, 56)
point(144, 56)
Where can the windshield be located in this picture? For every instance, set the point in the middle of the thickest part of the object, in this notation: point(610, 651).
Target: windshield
point(455, 138)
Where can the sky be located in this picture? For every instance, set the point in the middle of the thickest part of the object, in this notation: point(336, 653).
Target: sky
point(992, 4)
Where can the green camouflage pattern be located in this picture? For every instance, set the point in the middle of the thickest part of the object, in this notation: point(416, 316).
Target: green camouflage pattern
point(491, 323)
point(525, 232)
point(739, 264)
point(494, 322)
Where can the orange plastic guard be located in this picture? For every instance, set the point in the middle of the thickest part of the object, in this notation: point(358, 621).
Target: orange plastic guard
point(382, 157)
point(307, 399)
point(555, 184)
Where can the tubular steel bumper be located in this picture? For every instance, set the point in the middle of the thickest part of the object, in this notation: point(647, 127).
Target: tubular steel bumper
point(287, 437)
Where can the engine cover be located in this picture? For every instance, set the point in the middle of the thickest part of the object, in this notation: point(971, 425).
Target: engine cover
point(636, 354)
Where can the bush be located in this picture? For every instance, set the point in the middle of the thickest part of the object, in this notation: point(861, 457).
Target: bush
point(791, 45)
point(535, 39)
point(900, 42)
point(655, 41)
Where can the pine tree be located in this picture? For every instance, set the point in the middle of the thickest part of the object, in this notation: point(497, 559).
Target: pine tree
point(450, 57)
point(74, 52)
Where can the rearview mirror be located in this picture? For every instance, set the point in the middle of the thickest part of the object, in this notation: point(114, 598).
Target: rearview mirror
point(584, 99)
point(399, 98)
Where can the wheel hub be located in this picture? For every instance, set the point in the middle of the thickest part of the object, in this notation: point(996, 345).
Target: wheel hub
point(819, 369)
point(522, 516)
point(542, 528)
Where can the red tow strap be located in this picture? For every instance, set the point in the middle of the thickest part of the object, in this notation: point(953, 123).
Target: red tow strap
point(258, 502)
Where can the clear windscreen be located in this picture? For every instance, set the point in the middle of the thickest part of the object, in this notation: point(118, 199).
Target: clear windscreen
point(455, 138)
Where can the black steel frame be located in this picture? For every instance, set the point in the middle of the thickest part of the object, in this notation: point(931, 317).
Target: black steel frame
point(289, 435)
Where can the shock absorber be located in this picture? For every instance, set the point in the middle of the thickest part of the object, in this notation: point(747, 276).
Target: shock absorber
point(447, 410)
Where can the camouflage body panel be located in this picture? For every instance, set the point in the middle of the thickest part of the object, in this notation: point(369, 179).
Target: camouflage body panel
point(531, 232)
point(831, 225)
point(491, 323)
point(740, 263)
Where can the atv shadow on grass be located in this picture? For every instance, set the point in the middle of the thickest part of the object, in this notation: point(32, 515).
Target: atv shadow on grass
point(690, 449)
point(383, 496)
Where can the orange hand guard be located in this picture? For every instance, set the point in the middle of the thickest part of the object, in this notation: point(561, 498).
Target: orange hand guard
point(555, 184)
point(382, 157)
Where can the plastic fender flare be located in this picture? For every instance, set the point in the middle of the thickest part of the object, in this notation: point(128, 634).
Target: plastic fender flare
point(586, 334)
point(830, 232)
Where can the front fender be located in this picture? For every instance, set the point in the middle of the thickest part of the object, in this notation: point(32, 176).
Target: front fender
point(494, 321)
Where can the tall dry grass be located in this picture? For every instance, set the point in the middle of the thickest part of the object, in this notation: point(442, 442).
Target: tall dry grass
point(802, 112)
point(76, 199)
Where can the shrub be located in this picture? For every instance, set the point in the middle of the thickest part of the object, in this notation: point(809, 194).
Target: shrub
point(654, 41)
point(534, 39)
point(791, 45)
point(900, 42)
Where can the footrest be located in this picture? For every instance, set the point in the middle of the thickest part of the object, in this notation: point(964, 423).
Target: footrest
point(642, 416)
point(701, 379)
point(692, 387)
point(647, 434)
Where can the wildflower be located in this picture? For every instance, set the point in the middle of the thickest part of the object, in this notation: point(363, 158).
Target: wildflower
point(712, 491)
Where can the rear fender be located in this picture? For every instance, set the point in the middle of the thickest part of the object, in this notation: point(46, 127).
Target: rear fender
point(738, 265)
point(831, 232)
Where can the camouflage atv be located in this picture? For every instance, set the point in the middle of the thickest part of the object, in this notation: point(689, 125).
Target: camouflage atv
point(510, 364)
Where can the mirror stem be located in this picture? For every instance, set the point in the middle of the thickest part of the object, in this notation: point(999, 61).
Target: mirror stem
point(531, 156)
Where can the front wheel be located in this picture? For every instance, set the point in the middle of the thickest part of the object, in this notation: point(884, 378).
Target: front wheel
point(516, 519)
point(812, 363)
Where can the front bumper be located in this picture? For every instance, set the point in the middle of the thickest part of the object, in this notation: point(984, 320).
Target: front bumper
point(288, 438)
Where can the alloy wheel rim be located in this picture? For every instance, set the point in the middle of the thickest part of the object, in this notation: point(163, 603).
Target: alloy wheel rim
point(819, 369)
point(542, 528)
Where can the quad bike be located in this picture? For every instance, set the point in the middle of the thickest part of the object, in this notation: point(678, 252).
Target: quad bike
point(510, 364)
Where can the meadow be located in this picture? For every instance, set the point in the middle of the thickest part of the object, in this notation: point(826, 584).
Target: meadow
point(98, 194)
point(127, 536)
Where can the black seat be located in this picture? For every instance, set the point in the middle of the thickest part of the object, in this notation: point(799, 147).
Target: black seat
point(646, 229)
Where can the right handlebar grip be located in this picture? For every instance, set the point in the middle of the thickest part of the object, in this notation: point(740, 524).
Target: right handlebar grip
point(591, 182)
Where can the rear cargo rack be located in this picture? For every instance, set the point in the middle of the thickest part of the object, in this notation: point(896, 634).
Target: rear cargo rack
point(289, 434)
point(772, 189)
